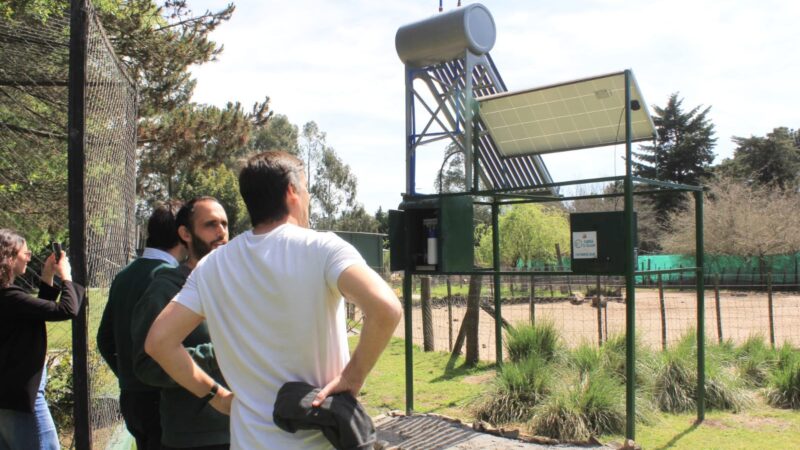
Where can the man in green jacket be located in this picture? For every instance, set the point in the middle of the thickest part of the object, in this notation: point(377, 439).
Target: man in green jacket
point(138, 402)
point(186, 421)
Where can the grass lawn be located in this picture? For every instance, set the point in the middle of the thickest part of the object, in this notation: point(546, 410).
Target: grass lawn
point(450, 393)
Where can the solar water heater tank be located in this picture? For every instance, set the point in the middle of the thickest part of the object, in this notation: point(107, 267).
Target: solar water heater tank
point(446, 36)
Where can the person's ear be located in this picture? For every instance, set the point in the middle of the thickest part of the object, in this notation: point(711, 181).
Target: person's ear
point(184, 234)
point(292, 196)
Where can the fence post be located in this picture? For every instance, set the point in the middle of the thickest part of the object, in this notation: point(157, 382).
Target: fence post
point(663, 313)
point(449, 316)
point(76, 166)
point(532, 301)
point(719, 309)
point(771, 311)
point(599, 314)
point(427, 315)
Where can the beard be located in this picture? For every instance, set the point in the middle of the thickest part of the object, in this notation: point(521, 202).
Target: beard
point(201, 248)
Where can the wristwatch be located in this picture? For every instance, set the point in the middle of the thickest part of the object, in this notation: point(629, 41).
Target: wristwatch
point(211, 393)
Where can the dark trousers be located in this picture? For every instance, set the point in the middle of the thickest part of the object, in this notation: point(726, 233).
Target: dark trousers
point(140, 411)
point(204, 447)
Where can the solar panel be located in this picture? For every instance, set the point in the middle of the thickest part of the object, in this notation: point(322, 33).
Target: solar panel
point(496, 171)
point(579, 114)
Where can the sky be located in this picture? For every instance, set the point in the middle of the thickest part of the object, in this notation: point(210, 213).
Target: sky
point(334, 62)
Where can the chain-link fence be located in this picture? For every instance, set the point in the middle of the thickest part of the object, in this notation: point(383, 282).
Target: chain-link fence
point(664, 313)
point(44, 61)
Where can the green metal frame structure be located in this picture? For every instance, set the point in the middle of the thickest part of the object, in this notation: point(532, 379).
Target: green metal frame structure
point(543, 192)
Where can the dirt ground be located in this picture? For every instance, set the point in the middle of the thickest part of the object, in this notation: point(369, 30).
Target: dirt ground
point(741, 315)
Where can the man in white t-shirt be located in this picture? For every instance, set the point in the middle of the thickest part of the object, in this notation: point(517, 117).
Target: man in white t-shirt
point(272, 299)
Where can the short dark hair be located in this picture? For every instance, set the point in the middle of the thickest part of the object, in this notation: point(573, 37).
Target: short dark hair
point(162, 231)
point(185, 215)
point(263, 183)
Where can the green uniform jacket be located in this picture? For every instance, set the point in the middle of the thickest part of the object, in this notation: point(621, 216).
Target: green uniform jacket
point(114, 333)
point(186, 421)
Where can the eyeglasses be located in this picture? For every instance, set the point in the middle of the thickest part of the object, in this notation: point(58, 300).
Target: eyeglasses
point(27, 253)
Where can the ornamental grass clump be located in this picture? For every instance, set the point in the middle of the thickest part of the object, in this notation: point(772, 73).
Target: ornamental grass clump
point(560, 417)
point(519, 387)
point(675, 387)
point(755, 361)
point(601, 402)
point(541, 340)
point(784, 385)
point(586, 358)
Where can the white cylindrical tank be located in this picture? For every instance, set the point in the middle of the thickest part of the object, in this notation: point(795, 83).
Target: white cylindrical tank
point(445, 36)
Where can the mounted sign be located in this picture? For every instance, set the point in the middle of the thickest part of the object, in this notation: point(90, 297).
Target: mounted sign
point(598, 242)
point(584, 245)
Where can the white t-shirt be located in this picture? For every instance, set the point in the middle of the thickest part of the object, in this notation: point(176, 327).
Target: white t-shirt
point(275, 314)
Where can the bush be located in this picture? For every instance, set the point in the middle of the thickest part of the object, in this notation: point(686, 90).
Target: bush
point(541, 340)
point(519, 387)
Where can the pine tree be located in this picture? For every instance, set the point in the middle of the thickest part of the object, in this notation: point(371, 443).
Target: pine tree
point(683, 152)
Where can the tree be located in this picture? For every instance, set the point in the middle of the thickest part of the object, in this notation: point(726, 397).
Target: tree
point(277, 134)
point(192, 137)
point(223, 184)
point(740, 219)
point(683, 152)
point(333, 190)
point(527, 232)
point(770, 160)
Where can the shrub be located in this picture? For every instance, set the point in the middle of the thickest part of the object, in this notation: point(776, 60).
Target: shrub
point(519, 387)
point(675, 382)
point(541, 340)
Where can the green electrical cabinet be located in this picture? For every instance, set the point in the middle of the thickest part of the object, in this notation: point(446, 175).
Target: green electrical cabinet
point(598, 242)
point(432, 234)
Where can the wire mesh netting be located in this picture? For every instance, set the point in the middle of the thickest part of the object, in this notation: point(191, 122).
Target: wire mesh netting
point(34, 88)
point(664, 314)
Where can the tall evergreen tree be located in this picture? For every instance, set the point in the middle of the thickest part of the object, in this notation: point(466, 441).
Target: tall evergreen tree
point(682, 153)
point(770, 160)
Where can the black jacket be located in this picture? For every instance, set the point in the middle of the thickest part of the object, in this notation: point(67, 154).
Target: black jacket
point(23, 338)
point(340, 417)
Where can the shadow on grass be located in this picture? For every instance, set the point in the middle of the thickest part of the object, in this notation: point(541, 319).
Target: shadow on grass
point(680, 436)
point(451, 371)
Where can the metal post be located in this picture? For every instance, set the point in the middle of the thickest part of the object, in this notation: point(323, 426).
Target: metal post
point(771, 311)
point(76, 161)
point(498, 329)
point(411, 144)
point(630, 295)
point(718, 307)
point(532, 300)
point(599, 314)
point(407, 306)
point(663, 307)
point(449, 316)
point(701, 308)
point(468, 115)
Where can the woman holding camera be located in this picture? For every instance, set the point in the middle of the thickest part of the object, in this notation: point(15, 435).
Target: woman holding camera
point(25, 421)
